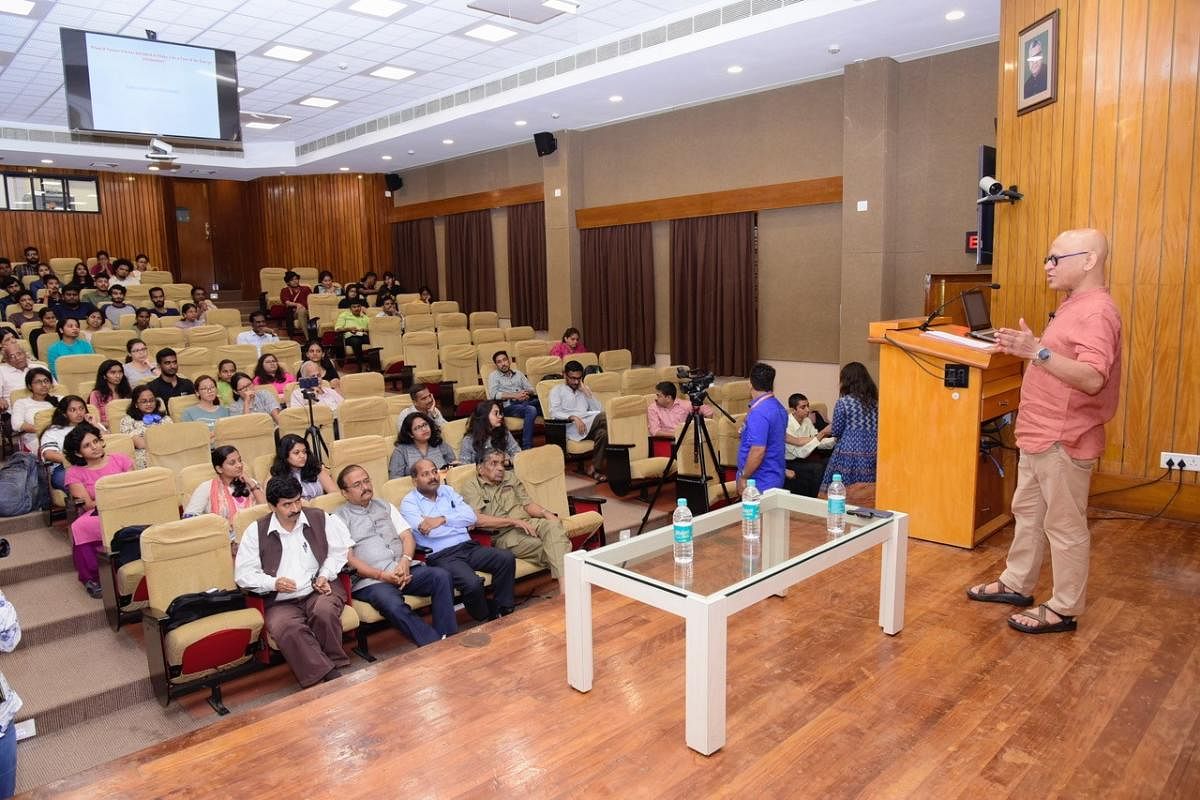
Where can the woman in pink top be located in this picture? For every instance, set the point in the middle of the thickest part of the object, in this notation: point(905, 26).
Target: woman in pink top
point(268, 372)
point(84, 448)
point(570, 344)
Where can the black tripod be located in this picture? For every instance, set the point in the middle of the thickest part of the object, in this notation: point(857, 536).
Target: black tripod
point(312, 435)
point(700, 440)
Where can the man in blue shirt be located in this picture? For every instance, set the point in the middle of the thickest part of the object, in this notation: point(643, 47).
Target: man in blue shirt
point(761, 453)
point(439, 518)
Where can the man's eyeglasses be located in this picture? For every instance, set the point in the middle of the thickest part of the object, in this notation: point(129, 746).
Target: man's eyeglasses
point(1053, 259)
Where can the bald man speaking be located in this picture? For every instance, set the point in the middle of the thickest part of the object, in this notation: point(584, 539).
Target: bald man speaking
point(1069, 391)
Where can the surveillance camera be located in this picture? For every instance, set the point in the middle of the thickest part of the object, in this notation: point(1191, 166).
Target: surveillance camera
point(151, 35)
point(990, 186)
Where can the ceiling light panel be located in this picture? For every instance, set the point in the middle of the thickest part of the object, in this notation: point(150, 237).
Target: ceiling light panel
point(21, 7)
point(393, 73)
point(286, 53)
point(318, 102)
point(488, 32)
point(378, 8)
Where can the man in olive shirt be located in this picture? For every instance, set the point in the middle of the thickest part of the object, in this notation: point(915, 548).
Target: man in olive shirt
point(522, 526)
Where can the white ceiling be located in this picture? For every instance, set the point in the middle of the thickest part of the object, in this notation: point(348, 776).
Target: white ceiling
point(468, 91)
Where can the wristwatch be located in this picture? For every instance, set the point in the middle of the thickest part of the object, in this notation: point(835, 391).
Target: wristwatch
point(1042, 356)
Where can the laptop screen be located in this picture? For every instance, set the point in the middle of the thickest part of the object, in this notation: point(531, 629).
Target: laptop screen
point(976, 309)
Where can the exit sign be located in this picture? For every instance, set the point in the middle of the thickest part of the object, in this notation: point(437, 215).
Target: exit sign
point(972, 242)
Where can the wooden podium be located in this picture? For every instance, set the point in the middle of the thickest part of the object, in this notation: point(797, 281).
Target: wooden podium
point(929, 461)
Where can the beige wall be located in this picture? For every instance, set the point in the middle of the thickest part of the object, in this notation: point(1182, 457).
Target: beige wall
point(482, 172)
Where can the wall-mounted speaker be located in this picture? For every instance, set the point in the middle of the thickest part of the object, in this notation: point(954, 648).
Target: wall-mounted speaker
point(545, 142)
point(394, 182)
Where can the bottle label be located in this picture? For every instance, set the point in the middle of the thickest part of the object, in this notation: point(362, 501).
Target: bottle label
point(683, 533)
point(750, 511)
point(837, 505)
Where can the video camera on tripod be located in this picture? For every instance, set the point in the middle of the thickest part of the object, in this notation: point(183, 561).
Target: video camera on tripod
point(308, 387)
point(695, 384)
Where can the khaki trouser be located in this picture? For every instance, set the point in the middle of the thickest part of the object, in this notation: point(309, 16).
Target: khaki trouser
point(1050, 506)
point(547, 549)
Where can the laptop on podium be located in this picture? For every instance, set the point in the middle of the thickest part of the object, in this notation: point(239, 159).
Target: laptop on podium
point(979, 320)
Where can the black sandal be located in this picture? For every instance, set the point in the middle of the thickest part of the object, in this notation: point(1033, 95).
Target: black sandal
point(1063, 625)
point(1004, 596)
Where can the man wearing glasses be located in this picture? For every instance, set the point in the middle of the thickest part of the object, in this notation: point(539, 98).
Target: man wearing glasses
point(1069, 391)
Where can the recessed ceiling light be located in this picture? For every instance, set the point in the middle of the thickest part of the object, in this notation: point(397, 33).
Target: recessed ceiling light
point(447, 141)
point(393, 73)
point(261, 126)
point(955, 16)
point(47, 160)
point(152, 168)
point(412, 152)
point(565, 6)
point(616, 98)
point(378, 8)
point(386, 158)
point(490, 33)
point(22, 7)
point(344, 169)
point(285, 53)
point(520, 123)
point(319, 102)
point(734, 70)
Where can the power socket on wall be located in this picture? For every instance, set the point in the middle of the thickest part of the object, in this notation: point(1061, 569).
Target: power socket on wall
point(1188, 462)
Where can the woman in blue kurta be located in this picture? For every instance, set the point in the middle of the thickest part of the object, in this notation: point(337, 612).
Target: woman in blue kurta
point(856, 426)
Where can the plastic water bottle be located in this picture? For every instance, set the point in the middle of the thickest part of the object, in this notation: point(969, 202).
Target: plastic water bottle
point(684, 575)
point(751, 511)
point(625, 535)
point(682, 523)
point(751, 556)
point(835, 521)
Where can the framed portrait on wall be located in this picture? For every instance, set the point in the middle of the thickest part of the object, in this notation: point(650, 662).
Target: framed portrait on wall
point(1037, 81)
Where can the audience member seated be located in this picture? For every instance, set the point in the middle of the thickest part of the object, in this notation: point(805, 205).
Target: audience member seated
point(25, 314)
point(139, 368)
point(35, 286)
point(424, 402)
point(259, 334)
point(123, 274)
point(353, 324)
point(268, 372)
point(11, 287)
point(208, 408)
point(103, 265)
point(419, 438)
point(231, 490)
point(801, 442)
point(49, 322)
point(141, 263)
point(70, 343)
point(440, 518)
point(200, 298)
point(856, 428)
point(573, 400)
point(16, 363)
point(516, 394)
point(425, 295)
point(51, 295)
point(146, 408)
point(168, 384)
point(293, 459)
point(388, 286)
point(70, 411)
point(293, 301)
point(95, 322)
point(97, 294)
point(251, 399)
point(350, 293)
point(118, 307)
point(326, 284)
point(111, 384)
point(81, 277)
point(71, 307)
point(141, 321)
point(6, 268)
point(293, 557)
point(322, 394)
point(226, 369)
point(569, 345)
point(84, 449)
point(190, 317)
point(24, 410)
point(667, 413)
point(32, 260)
point(521, 526)
point(367, 285)
point(382, 556)
point(487, 433)
point(158, 303)
point(313, 351)
point(387, 307)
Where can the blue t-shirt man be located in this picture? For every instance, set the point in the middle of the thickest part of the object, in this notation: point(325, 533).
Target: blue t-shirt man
point(766, 426)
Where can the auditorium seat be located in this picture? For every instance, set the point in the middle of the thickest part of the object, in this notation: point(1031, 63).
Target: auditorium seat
point(421, 353)
point(210, 336)
point(244, 355)
point(415, 309)
point(179, 292)
point(387, 333)
point(480, 320)
point(630, 465)
point(118, 443)
point(520, 352)
point(191, 476)
point(286, 352)
point(177, 405)
point(709, 496)
point(110, 344)
point(369, 452)
point(459, 365)
point(323, 309)
point(671, 374)
point(177, 446)
point(616, 360)
point(585, 359)
point(419, 322)
point(449, 336)
point(538, 367)
point(225, 317)
point(295, 420)
point(519, 333)
point(252, 434)
point(556, 429)
point(362, 384)
point(364, 416)
point(454, 431)
point(488, 335)
point(604, 385)
point(639, 380)
point(194, 362)
point(156, 277)
point(454, 320)
point(186, 557)
point(542, 471)
point(73, 371)
point(443, 307)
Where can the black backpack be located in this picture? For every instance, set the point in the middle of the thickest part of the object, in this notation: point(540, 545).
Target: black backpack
point(127, 544)
point(190, 607)
point(21, 487)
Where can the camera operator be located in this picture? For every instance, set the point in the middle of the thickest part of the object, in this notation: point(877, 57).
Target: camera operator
point(667, 413)
point(761, 452)
point(310, 387)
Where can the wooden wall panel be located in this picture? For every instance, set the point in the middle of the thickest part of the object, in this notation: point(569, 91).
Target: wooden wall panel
point(495, 198)
point(130, 222)
point(336, 222)
point(1117, 151)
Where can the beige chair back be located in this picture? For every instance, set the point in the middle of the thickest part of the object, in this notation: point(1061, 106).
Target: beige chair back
point(111, 344)
point(139, 497)
point(186, 556)
point(394, 491)
point(328, 503)
point(627, 424)
point(158, 338)
point(421, 350)
point(639, 381)
point(72, 371)
point(737, 396)
point(585, 359)
point(518, 333)
point(210, 336)
point(459, 365)
point(414, 309)
point(543, 472)
point(449, 336)
point(543, 392)
point(454, 431)
point(308, 275)
point(526, 349)
point(324, 309)
point(387, 334)
point(262, 469)
point(486, 335)
point(177, 405)
point(225, 317)
point(196, 361)
point(419, 322)
point(484, 319)
point(448, 321)
point(287, 352)
point(457, 477)
point(137, 295)
point(252, 434)
point(397, 403)
point(729, 437)
point(271, 281)
point(443, 307)
point(369, 452)
point(179, 292)
point(364, 416)
point(605, 385)
point(64, 268)
point(537, 367)
point(244, 355)
point(295, 420)
point(243, 518)
point(616, 360)
point(404, 298)
point(671, 374)
point(156, 277)
point(115, 409)
point(119, 443)
point(190, 477)
point(357, 385)
point(179, 445)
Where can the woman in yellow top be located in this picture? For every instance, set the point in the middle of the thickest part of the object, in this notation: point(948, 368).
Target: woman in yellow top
point(352, 324)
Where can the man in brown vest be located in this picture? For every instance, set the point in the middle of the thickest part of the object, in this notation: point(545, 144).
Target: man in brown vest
point(293, 557)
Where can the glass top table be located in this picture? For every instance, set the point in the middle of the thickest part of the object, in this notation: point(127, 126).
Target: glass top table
point(727, 574)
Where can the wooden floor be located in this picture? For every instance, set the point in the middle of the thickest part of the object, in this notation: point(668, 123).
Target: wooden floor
point(821, 703)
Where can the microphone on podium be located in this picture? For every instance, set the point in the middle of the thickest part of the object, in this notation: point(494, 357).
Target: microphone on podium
point(924, 326)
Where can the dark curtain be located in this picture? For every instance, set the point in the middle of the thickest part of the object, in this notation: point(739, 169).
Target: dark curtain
point(617, 282)
point(527, 264)
point(415, 254)
point(471, 261)
point(714, 308)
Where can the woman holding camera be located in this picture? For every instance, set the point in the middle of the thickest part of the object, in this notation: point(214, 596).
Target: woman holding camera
point(229, 492)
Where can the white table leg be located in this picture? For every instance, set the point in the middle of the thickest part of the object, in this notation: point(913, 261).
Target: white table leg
point(579, 623)
point(776, 538)
point(704, 715)
point(893, 574)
